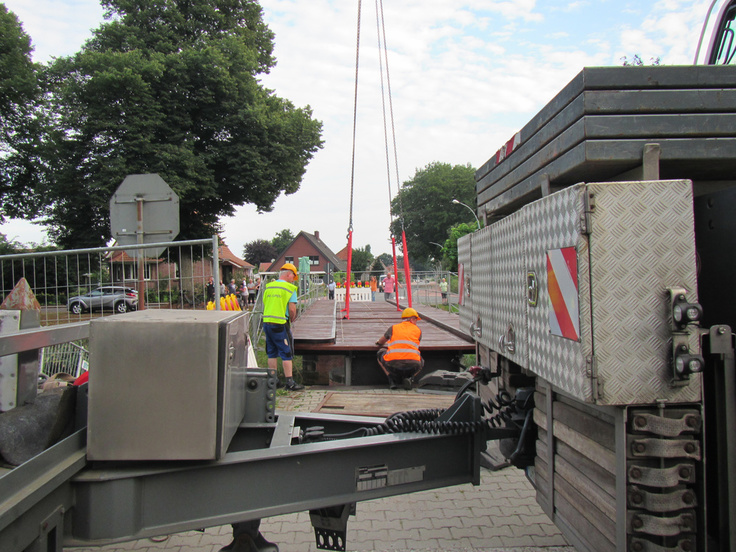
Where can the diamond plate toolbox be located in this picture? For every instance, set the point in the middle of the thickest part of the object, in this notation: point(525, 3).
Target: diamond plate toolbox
point(586, 270)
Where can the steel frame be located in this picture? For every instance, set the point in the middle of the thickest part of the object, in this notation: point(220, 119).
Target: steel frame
point(59, 499)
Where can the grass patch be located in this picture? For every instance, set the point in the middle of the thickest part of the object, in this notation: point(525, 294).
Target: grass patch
point(262, 359)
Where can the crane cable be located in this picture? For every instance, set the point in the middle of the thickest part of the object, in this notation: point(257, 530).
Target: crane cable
point(381, 32)
point(346, 310)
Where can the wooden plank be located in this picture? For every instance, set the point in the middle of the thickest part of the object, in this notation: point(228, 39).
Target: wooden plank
point(584, 529)
point(616, 85)
point(381, 404)
point(584, 511)
point(369, 321)
point(589, 448)
point(600, 160)
point(541, 475)
point(588, 426)
point(593, 492)
point(602, 477)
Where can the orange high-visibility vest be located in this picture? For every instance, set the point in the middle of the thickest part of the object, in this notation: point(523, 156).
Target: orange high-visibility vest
point(404, 343)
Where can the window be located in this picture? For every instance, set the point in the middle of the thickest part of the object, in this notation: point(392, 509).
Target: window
point(724, 53)
point(314, 259)
point(289, 260)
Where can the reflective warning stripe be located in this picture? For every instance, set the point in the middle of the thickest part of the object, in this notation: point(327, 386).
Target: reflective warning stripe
point(562, 290)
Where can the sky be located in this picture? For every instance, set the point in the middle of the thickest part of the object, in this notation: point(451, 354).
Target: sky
point(465, 76)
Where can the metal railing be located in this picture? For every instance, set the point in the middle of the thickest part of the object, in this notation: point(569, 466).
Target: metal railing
point(175, 279)
point(64, 358)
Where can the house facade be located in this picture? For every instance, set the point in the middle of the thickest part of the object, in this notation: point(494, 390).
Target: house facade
point(321, 258)
point(125, 268)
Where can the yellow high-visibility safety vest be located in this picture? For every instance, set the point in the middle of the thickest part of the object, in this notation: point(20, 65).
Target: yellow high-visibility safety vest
point(276, 300)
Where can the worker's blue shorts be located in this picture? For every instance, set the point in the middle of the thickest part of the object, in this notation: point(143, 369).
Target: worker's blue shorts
point(278, 341)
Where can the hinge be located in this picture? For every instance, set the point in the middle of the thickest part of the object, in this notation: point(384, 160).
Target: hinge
point(591, 371)
point(586, 217)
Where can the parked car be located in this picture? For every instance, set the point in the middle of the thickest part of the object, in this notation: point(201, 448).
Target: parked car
point(117, 298)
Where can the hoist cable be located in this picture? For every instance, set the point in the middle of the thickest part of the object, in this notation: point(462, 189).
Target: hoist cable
point(383, 108)
point(391, 113)
point(381, 32)
point(355, 117)
point(352, 168)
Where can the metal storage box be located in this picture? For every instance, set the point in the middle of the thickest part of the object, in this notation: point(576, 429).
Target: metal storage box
point(574, 287)
point(624, 244)
point(166, 384)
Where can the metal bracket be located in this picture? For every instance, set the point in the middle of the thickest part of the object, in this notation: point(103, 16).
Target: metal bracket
point(260, 404)
point(331, 526)
point(586, 217)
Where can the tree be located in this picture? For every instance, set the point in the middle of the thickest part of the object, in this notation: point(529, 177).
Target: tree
point(362, 259)
point(19, 93)
point(384, 259)
point(449, 251)
point(426, 203)
point(259, 251)
point(282, 240)
point(172, 88)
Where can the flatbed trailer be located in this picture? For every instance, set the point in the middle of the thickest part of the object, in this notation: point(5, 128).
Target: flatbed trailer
point(609, 215)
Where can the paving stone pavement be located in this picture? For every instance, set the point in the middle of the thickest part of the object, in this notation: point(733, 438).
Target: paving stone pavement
point(499, 515)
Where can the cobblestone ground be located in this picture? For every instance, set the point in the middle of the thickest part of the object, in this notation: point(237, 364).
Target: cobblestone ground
point(498, 515)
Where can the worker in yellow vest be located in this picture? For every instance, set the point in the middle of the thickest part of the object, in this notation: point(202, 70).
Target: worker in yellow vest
point(400, 359)
point(279, 310)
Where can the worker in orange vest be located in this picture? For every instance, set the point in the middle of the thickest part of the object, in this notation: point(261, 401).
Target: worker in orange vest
point(398, 354)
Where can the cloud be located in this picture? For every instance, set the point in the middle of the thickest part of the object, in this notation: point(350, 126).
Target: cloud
point(465, 76)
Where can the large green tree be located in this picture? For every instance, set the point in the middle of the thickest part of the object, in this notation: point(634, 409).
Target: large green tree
point(282, 240)
point(259, 251)
point(171, 87)
point(19, 134)
point(428, 211)
point(361, 259)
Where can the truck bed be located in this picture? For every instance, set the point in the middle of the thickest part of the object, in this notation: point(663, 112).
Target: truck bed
point(597, 126)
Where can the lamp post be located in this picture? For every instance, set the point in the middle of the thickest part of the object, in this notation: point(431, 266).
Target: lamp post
point(470, 209)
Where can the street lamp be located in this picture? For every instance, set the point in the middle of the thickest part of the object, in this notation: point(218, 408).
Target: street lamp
point(470, 209)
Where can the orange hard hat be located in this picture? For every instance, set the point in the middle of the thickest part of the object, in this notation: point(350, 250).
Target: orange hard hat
point(289, 266)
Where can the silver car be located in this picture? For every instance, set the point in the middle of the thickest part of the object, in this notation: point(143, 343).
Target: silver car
point(116, 298)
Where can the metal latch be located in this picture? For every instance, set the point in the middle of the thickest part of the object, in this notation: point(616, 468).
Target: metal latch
point(507, 341)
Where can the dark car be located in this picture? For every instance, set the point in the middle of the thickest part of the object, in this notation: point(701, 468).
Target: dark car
point(116, 298)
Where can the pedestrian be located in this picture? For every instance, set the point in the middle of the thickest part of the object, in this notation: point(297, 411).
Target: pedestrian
point(443, 290)
point(279, 310)
point(211, 290)
point(398, 354)
point(331, 290)
point(374, 288)
point(223, 289)
point(388, 287)
point(251, 292)
point(232, 287)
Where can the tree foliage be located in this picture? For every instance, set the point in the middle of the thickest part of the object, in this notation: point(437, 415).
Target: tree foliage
point(384, 259)
point(282, 240)
point(19, 134)
point(172, 88)
point(426, 202)
point(362, 259)
point(259, 251)
point(449, 250)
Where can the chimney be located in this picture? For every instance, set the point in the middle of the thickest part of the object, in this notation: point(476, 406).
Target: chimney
point(316, 234)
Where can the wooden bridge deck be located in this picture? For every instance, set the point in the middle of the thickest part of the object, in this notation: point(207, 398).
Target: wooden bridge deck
point(322, 328)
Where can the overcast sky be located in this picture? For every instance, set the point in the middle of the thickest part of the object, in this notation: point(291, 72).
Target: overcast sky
point(465, 76)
